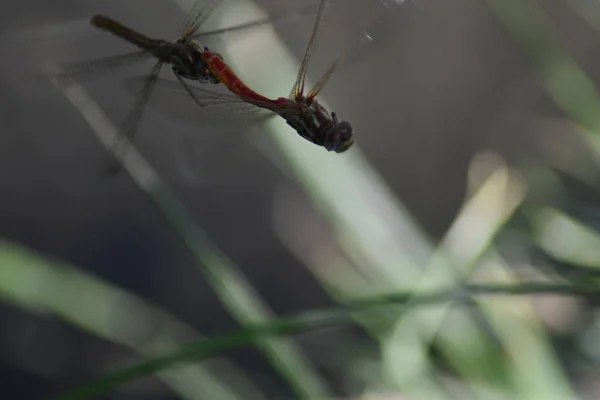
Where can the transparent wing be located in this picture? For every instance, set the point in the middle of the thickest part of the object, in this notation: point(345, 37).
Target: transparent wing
point(130, 127)
point(386, 14)
point(207, 106)
point(46, 32)
point(216, 107)
point(298, 88)
point(200, 12)
point(80, 69)
point(275, 20)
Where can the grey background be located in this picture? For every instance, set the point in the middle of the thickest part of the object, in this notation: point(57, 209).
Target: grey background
point(446, 82)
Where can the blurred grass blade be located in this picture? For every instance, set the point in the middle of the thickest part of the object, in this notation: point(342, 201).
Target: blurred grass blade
point(314, 320)
point(228, 282)
point(532, 366)
point(40, 285)
point(481, 217)
point(589, 10)
point(205, 349)
point(565, 81)
point(566, 238)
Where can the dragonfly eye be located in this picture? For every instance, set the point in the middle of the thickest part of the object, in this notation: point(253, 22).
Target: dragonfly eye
point(345, 128)
point(344, 146)
point(341, 137)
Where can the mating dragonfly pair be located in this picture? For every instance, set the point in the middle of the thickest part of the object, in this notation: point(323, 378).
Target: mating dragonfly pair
point(191, 61)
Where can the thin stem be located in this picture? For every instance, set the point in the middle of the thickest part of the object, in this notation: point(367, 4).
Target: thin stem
point(318, 319)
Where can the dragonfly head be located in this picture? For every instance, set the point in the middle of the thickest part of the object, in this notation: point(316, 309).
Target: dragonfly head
point(340, 137)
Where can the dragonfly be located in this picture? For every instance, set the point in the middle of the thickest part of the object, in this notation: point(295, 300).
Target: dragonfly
point(301, 110)
point(189, 60)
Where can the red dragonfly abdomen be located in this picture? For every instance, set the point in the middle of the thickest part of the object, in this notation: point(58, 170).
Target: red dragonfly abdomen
point(223, 72)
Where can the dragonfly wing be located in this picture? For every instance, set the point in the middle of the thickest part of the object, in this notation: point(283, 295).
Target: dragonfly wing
point(79, 69)
point(132, 121)
point(42, 34)
point(386, 14)
point(298, 88)
point(276, 20)
point(187, 147)
point(216, 106)
point(200, 12)
point(321, 82)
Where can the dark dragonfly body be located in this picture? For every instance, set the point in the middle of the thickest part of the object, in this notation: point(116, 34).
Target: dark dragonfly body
point(316, 125)
point(184, 55)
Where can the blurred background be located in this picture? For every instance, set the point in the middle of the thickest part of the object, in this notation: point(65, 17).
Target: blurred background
point(476, 162)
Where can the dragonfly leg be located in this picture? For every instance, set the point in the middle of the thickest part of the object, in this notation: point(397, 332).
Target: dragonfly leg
point(188, 90)
point(208, 79)
point(335, 119)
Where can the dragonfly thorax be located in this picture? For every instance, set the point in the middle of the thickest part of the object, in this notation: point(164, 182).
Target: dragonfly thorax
point(188, 63)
